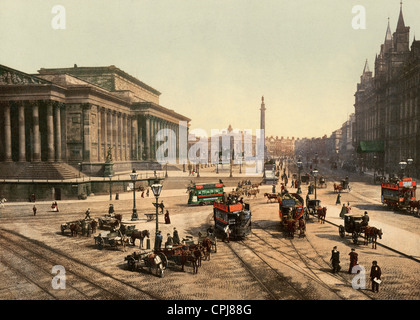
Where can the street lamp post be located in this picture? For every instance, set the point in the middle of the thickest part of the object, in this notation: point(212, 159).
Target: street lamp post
point(315, 174)
point(402, 164)
point(156, 189)
point(133, 176)
point(409, 162)
point(166, 169)
point(299, 165)
point(110, 186)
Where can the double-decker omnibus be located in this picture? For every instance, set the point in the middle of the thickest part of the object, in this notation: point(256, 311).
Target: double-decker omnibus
point(201, 194)
point(398, 194)
point(237, 216)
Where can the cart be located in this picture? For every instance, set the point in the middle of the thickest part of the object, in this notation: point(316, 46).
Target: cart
point(352, 225)
point(111, 239)
point(313, 206)
point(155, 262)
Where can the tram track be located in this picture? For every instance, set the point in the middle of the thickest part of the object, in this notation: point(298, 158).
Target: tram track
point(33, 261)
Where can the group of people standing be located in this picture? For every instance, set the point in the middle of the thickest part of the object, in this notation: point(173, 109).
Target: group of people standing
point(375, 271)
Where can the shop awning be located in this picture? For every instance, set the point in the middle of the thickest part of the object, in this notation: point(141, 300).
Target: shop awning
point(371, 146)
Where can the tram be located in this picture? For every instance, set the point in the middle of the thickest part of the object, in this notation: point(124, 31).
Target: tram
point(201, 194)
point(237, 216)
point(398, 194)
point(290, 207)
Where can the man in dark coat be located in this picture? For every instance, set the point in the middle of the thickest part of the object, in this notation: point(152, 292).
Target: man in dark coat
point(158, 240)
point(175, 237)
point(375, 276)
point(353, 259)
point(335, 260)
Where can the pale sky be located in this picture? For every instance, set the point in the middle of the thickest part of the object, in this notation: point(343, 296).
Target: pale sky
point(213, 60)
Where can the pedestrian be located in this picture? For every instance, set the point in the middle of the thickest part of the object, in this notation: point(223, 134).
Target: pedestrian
point(161, 206)
point(335, 260)
point(375, 276)
point(147, 192)
point(169, 241)
point(158, 240)
point(227, 233)
point(338, 201)
point(353, 259)
point(34, 210)
point(111, 209)
point(167, 219)
point(87, 214)
point(33, 197)
point(175, 237)
point(343, 211)
point(273, 189)
point(142, 194)
point(348, 207)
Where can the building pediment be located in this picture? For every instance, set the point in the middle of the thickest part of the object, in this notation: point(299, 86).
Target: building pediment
point(9, 76)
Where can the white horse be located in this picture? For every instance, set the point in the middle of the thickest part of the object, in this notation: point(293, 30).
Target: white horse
point(2, 201)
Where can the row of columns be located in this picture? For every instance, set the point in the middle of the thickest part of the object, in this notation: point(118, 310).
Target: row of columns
point(152, 126)
point(53, 131)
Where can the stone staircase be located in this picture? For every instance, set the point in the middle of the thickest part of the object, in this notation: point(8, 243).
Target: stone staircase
point(38, 171)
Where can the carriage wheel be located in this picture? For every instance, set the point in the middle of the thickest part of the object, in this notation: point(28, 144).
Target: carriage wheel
point(131, 264)
point(341, 231)
point(355, 237)
point(99, 243)
point(164, 260)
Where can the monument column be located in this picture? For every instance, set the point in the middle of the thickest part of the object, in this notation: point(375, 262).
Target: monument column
point(7, 133)
point(21, 119)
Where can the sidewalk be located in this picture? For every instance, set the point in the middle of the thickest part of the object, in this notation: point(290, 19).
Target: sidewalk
point(400, 240)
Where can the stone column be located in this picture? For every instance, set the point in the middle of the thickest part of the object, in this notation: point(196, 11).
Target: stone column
point(37, 137)
point(7, 133)
point(58, 132)
point(99, 117)
point(141, 146)
point(148, 142)
point(50, 131)
point(86, 132)
point(105, 128)
point(134, 137)
point(21, 119)
point(120, 135)
point(124, 128)
point(109, 124)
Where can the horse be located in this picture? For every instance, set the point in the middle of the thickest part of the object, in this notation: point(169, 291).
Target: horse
point(74, 229)
point(414, 205)
point(93, 225)
point(206, 243)
point(253, 192)
point(371, 235)
point(302, 228)
point(2, 201)
point(337, 188)
point(136, 234)
point(291, 228)
point(270, 196)
point(321, 212)
point(188, 256)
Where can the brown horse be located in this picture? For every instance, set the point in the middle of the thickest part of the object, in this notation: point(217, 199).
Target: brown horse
point(206, 243)
point(74, 229)
point(270, 196)
point(136, 234)
point(371, 235)
point(189, 256)
point(321, 212)
point(302, 228)
point(337, 188)
point(291, 228)
point(414, 205)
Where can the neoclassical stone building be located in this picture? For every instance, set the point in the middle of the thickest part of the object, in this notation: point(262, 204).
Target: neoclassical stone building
point(76, 116)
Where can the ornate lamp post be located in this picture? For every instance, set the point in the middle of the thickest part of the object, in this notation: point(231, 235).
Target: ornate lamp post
point(110, 186)
point(156, 189)
point(315, 174)
point(133, 176)
point(409, 162)
point(402, 164)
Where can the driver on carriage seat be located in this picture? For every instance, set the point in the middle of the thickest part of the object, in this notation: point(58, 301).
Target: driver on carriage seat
point(365, 220)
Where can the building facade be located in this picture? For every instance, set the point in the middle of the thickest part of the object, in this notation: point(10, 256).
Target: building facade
point(387, 105)
point(83, 116)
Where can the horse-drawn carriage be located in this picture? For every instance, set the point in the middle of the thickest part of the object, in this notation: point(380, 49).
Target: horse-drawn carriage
point(270, 196)
point(211, 236)
point(344, 185)
point(322, 182)
point(83, 226)
point(353, 224)
point(305, 179)
point(111, 238)
point(291, 210)
point(149, 260)
point(109, 221)
point(312, 206)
